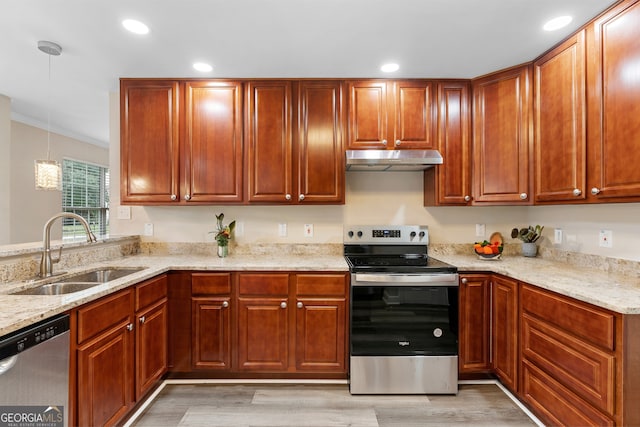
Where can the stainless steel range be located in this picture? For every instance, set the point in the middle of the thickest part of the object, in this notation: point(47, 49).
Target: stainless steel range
point(404, 313)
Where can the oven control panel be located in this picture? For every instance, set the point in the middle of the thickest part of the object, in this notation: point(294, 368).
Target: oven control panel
point(386, 234)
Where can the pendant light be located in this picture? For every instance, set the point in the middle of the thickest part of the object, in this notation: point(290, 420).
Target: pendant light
point(48, 172)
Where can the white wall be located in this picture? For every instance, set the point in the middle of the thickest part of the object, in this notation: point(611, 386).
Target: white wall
point(380, 198)
point(5, 167)
point(30, 208)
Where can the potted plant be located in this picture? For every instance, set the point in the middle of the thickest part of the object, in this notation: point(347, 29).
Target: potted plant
point(529, 237)
point(223, 235)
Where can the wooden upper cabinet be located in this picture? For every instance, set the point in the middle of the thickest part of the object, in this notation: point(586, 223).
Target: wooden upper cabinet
point(560, 123)
point(502, 137)
point(295, 142)
point(269, 159)
point(320, 135)
point(613, 43)
point(149, 141)
point(391, 115)
point(449, 184)
point(212, 150)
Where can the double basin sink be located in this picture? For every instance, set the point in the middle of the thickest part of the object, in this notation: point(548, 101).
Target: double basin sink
point(80, 281)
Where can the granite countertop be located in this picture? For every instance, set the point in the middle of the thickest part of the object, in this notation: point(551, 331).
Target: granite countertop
point(608, 290)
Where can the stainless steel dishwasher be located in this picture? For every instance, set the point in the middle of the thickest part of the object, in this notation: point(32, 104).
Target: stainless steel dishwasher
point(34, 374)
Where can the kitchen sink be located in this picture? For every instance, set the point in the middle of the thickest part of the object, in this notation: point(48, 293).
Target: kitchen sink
point(80, 281)
point(101, 275)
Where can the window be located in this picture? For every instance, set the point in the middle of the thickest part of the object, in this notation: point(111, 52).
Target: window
point(85, 191)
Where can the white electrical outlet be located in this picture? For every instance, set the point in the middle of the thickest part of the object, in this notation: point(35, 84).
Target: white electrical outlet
point(308, 230)
point(282, 230)
point(606, 238)
point(480, 230)
point(557, 236)
point(124, 212)
point(239, 230)
point(148, 229)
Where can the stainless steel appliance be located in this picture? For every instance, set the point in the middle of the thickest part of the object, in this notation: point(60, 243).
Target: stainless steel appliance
point(404, 313)
point(34, 374)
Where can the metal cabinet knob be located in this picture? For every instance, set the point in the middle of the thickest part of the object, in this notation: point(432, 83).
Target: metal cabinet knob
point(283, 304)
point(523, 196)
point(398, 142)
point(577, 192)
point(130, 327)
point(595, 191)
point(174, 197)
point(299, 304)
point(467, 198)
point(225, 304)
point(301, 197)
point(384, 142)
point(287, 197)
point(142, 319)
point(464, 280)
point(187, 197)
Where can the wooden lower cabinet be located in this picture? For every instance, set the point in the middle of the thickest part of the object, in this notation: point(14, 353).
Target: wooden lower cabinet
point(504, 331)
point(121, 351)
point(474, 324)
point(269, 323)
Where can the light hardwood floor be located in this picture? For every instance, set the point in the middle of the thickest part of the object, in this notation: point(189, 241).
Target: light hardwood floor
point(326, 406)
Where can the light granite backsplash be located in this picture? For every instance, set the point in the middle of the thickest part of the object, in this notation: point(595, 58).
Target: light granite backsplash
point(24, 264)
point(574, 259)
point(160, 248)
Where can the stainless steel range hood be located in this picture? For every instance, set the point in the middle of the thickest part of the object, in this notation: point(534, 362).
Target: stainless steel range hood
point(392, 160)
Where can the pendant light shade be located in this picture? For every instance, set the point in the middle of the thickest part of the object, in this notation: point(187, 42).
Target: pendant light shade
point(48, 173)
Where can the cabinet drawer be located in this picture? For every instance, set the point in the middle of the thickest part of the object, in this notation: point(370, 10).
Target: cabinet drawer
point(321, 284)
point(590, 323)
point(210, 283)
point(263, 284)
point(583, 368)
point(104, 314)
point(151, 291)
point(555, 403)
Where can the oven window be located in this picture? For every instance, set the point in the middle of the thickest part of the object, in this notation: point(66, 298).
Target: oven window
point(404, 321)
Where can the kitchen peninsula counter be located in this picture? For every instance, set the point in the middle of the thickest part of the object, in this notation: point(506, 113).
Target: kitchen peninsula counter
point(619, 293)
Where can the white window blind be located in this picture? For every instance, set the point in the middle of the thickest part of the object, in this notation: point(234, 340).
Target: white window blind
point(85, 191)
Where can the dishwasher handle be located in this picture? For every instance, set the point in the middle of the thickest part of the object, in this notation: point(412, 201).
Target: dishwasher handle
point(390, 279)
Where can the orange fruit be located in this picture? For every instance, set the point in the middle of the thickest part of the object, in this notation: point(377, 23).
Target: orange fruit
point(487, 250)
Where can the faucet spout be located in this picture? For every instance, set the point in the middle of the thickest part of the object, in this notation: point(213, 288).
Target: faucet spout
point(46, 263)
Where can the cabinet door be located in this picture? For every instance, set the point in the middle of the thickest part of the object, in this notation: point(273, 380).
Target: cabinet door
point(320, 334)
point(474, 337)
point(213, 142)
point(560, 123)
point(501, 138)
point(211, 332)
point(320, 150)
point(449, 184)
point(269, 142)
point(151, 346)
point(105, 377)
point(613, 107)
point(415, 115)
point(263, 334)
point(149, 141)
point(368, 114)
point(504, 331)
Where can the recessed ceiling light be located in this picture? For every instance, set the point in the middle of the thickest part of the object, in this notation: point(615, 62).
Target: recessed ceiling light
point(557, 23)
point(134, 26)
point(389, 68)
point(201, 66)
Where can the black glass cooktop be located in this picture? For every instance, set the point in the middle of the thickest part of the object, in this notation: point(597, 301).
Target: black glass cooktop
point(393, 259)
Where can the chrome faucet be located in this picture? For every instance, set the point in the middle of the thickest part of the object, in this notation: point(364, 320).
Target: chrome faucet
point(46, 263)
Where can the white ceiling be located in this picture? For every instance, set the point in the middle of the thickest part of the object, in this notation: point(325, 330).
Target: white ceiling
point(255, 38)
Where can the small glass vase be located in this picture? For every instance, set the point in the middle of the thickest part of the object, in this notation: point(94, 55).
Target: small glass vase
point(223, 251)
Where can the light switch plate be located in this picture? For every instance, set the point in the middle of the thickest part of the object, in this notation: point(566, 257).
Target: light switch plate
point(282, 230)
point(557, 236)
point(605, 239)
point(148, 229)
point(480, 230)
point(124, 212)
point(308, 230)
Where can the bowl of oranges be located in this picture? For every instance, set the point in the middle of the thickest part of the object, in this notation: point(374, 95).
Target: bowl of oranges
point(489, 249)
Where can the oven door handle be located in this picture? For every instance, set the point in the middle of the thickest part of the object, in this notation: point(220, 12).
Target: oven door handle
point(434, 279)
